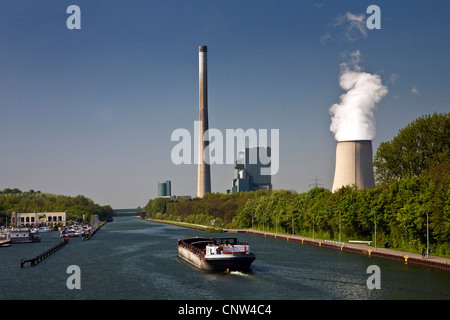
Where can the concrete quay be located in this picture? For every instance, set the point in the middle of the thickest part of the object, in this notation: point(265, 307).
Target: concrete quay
point(401, 256)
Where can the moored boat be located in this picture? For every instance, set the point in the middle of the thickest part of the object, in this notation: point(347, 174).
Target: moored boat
point(45, 229)
point(70, 234)
point(74, 231)
point(5, 242)
point(216, 254)
point(23, 235)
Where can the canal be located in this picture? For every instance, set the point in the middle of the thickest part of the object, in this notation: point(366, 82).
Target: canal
point(133, 259)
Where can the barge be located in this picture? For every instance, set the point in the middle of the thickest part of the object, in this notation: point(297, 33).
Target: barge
point(216, 254)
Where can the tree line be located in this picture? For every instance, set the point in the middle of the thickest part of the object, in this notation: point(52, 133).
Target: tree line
point(398, 210)
point(14, 200)
point(412, 173)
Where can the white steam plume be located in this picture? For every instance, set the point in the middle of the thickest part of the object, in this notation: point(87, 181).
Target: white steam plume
point(352, 118)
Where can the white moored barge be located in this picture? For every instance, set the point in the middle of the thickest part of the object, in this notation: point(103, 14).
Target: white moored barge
point(23, 235)
point(216, 254)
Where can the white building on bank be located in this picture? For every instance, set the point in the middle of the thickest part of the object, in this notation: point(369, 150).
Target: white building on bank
point(19, 219)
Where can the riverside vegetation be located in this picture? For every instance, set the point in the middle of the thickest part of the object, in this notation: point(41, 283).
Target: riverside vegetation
point(412, 173)
point(14, 200)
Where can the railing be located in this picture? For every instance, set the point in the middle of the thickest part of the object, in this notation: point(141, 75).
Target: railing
point(336, 243)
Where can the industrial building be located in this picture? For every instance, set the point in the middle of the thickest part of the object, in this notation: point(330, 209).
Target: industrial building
point(20, 219)
point(247, 170)
point(354, 165)
point(165, 189)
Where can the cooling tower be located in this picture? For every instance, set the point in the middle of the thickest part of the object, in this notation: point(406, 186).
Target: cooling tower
point(354, 164)
point(204, 175)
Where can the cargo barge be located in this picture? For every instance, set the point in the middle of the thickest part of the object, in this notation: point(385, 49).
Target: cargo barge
point(216, 254)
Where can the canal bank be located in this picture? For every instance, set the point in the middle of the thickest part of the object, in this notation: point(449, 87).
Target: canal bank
point(391, 254)
point(401, 256)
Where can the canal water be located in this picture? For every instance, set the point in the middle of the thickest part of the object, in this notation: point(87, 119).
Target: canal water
point(133, 259)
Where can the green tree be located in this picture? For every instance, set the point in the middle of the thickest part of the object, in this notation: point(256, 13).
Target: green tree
point(421, 145)
point(13, 200)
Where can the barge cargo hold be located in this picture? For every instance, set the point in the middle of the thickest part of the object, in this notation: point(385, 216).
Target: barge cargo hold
point(216, 254)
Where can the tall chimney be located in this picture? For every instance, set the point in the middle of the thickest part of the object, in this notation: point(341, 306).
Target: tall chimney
point(354, 164)
point(204, 174)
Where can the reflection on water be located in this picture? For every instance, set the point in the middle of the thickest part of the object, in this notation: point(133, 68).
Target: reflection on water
point(132, 259)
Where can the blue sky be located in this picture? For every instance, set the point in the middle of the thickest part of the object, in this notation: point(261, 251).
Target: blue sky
point(91, 111)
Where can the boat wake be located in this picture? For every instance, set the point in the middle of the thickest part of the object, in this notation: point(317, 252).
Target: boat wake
point(239, 273)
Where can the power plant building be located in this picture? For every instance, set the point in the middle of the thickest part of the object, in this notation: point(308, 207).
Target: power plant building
point(247, 171)
point(165, 189)
point(354, 165)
